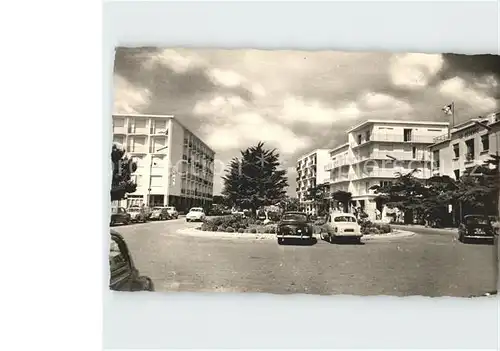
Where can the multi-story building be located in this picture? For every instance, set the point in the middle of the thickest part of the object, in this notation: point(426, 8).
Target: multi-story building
point(310, 173)
point(174, 166)
point(468, 145)
point(376, 152)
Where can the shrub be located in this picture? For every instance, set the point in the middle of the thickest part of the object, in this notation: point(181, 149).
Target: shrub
point(230, 229)
point(241, 230)
point(253, 230)
point(258, 222)
point(221, 229)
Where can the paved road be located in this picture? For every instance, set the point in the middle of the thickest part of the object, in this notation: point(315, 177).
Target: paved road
point(430, 264)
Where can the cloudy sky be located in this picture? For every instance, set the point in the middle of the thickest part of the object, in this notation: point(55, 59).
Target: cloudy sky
point(297, 101)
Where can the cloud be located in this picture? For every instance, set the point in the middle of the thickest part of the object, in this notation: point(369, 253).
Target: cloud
point(383, 103)
point(179, 61)
point(129, 98)
point(457, 89)
point(414, 71)
point(296, 109)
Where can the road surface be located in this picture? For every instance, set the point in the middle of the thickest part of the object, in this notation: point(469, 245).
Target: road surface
point(430, 263)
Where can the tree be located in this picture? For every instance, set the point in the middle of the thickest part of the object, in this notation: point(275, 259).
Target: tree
point(342, 197)
point(320, 196)
point(123, 168)
point(218, 200)
point(254, 180)
point(407, 193)
point(290, 204)
point(478, 188)
point(441, 192)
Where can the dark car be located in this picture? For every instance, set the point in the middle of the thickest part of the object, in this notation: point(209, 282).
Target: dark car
point(476, 227)
point(159, 214)
point(295, 225)
point(123, 274)
point(119, 215)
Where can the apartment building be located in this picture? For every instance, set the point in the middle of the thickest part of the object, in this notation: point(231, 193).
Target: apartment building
point(174, 166)
point(375, 152)
point(468, 145)
point(310, 173)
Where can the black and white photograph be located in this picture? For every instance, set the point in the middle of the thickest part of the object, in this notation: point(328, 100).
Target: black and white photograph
point(304, 172)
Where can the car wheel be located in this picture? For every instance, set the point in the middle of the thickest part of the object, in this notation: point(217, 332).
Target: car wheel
point(280, 241)
point(331, 238)
point(187, 220)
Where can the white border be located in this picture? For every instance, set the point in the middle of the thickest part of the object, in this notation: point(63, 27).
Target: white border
point(53, 129)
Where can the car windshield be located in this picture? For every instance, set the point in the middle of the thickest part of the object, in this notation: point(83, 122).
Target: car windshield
point(294, 217)
point(344, 219)
point(195, 210)
point(477, 220)
point(157, 208)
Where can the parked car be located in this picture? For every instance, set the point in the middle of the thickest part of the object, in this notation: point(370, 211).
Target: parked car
point(172, 212)
point(195, 214)
point(159, 214)
point(123, 274)
point(294, 224)
point(476, 227)
point(341, 225)
point(137, 214)
point(119, 215)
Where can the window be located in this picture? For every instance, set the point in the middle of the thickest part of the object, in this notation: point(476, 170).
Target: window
point(384, 183)
point(435, 158)
point(414, 152)
point(119, 263)
point(368, 135)
point(456, 150)
point(469, 144)
point(407, 134)
point(485, 142)
point(344, 219)
point(359, 138)
point(156, 181)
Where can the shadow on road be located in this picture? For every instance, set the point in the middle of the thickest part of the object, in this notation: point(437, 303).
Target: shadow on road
point(347, 241)
point(299, 242)
point(479, 242)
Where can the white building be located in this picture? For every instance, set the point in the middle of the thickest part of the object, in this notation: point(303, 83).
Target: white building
point(375, 152)
point(310, 173)
point(174, 167)
point(468, 145)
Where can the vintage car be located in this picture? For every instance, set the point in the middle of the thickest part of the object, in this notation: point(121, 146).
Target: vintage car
point(119, 215)
point(138, 214)
point(123, 274)
point(476, 227)
point(341, 225)
point(159, 214)
point(172, 211)
point(195, 214)
point(294, 225)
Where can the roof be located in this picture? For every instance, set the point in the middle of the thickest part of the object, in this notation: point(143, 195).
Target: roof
point(339, 147)
point(373, 121)
point(315, 151)
point(162, 116)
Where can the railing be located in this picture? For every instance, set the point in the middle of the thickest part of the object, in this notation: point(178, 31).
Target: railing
point(440, 138)
point(119, 130)
point(399, 138)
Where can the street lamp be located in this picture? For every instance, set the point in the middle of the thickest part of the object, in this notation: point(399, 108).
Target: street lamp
point(151, 172)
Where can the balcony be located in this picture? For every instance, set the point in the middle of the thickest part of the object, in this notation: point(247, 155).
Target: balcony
point(440, 138)
point(335, 164)
point(119, 130)
point(399, 156)
point(381, 173)
point(396, 138)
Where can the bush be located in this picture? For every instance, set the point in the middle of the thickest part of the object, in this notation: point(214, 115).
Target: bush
point(241, 230)
point(221, 229)
point(258, 222)
point(253, 230)
point(230, 229)
point(368, 227)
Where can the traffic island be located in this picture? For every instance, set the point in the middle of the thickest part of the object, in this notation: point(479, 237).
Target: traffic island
point(394, 234)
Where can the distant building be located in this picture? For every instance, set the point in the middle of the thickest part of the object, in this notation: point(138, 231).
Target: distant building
point(175, 167)
point(375, 152)
point(310, 173)
point(469, 145)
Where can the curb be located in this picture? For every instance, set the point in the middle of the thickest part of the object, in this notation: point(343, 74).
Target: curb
point(262, 236)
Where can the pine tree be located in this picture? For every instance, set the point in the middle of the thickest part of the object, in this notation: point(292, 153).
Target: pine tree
point(123, 168)
point(255, 180)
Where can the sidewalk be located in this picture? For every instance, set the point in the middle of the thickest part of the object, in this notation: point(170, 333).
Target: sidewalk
point(424, 228)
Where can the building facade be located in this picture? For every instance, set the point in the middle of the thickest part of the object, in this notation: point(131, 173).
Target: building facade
point(468, 145)
point(174, 166)
point(310, 173)
point(376, 152)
